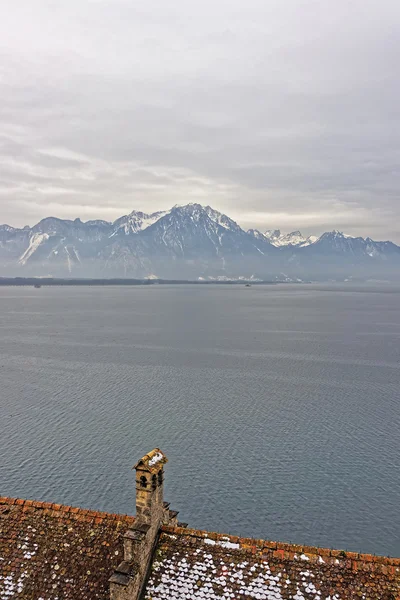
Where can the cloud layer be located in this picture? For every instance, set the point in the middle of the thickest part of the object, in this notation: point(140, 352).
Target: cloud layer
point(282, 113)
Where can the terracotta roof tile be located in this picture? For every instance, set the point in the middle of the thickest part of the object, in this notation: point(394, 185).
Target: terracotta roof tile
point(52, 551)
point(206, 566)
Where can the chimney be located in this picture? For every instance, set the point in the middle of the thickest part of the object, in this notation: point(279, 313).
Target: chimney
point(150, 487)
point(140, 541)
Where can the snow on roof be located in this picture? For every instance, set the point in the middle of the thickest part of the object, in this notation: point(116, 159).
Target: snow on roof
point(152, 461)
point(49, 551)
point(207, 566)
point(155, 459)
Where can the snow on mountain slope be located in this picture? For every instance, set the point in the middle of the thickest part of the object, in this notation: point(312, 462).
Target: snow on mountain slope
point(221, 219)
point(136, 221)
point(185, 229)
point(272, 235)
point(310, 240)
point(257, 234)
point(36, 240)
point(340, 241)
point(295, 238)
point(195, 231)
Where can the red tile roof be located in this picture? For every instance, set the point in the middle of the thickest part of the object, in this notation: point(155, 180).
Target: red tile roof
point(207, 566)
point(54, 552)
point(51, 551)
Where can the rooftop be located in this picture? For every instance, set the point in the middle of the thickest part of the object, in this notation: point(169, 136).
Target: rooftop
point(207, 566)
point(54, 552)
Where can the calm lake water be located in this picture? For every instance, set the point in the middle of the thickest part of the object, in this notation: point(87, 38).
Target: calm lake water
point(278, 406)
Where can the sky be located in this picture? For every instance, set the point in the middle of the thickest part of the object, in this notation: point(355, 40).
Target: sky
point(280, 113)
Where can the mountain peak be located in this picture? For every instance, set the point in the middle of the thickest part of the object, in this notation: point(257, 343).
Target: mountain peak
point(52, 226)
point(273, 233)
point(197, 212)
point(257, 234)
point(335, 233)
point(294, 238)
point(136, 221)
point(190, 207)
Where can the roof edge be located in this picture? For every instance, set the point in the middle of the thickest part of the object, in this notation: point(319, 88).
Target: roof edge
point(283, 550)
point(63, 511)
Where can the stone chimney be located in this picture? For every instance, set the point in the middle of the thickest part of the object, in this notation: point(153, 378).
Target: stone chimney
point(150, 487)
point(140, 541)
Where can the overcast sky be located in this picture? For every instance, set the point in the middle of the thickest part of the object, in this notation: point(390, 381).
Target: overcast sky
point(281, 113)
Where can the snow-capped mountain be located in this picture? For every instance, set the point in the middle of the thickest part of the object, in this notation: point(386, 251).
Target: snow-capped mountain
point(295, 238)
point(187, 242)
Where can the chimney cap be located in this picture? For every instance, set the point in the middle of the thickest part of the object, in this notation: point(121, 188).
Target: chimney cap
point(152, 461)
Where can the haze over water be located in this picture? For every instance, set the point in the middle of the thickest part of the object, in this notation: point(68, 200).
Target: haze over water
point(278, 406)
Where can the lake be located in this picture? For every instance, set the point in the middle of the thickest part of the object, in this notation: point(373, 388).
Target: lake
point(277, 406)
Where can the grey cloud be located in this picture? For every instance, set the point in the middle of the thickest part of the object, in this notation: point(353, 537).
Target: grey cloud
point(282, 114)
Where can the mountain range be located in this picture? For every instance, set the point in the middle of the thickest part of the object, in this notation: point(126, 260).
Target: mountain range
point(189, 242)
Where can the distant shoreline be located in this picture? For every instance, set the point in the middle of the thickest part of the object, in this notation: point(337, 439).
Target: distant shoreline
point(50, 281)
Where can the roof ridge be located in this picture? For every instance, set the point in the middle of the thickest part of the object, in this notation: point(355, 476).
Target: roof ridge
point(281, 548)
point(63, 511)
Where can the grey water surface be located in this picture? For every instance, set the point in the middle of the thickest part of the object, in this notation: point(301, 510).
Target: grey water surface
point(278, 406)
